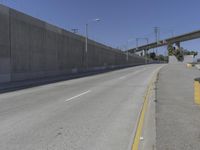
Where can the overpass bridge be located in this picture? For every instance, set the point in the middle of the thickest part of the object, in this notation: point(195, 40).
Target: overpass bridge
point(174, 40)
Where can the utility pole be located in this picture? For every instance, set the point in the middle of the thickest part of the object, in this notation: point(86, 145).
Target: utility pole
point(74, 30)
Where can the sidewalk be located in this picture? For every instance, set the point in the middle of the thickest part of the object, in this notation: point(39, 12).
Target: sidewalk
point(177, 117)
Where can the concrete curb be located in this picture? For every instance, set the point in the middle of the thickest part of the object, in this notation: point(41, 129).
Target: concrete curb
point(142, 116)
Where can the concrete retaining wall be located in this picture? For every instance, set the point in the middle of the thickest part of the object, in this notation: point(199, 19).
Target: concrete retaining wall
point(31, 48)
point(188, 58)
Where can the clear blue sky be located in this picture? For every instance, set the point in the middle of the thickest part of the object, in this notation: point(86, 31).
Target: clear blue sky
point(121, 20)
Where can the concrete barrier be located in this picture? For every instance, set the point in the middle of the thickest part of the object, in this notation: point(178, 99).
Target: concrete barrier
point(198, 66)
point(31, 49)
point(197, 91)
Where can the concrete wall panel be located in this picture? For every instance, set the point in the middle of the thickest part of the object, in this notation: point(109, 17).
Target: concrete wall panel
point(31, 48)
point(5, 66)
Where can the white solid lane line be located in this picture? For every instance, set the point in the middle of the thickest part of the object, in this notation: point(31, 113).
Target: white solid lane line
point(123, 77)
point(78, 95)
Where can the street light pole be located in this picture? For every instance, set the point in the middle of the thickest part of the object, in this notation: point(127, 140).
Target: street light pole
point(137, 43)
point(86, 37)
point(146, 51)
point(127, 47)
point(86, 44)
point(127, 53)
point(86, 41)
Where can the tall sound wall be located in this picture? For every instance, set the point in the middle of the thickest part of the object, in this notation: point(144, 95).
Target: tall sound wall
point(31, 49)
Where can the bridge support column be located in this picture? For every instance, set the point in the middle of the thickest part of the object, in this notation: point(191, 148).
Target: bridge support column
point(178, 45)
point(145, 55)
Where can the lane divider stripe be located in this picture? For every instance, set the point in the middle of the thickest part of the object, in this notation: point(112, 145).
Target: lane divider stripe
point(77, 96)
point(134, 73)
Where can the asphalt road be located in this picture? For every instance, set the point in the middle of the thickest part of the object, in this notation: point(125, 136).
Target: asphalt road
point(98, 112)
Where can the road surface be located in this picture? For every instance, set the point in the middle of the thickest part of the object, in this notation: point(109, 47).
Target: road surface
point(98, 112)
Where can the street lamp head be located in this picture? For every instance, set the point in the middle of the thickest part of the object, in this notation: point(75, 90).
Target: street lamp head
point(97, 20)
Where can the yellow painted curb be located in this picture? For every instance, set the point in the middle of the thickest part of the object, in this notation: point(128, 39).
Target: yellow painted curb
point(140, 124)
point(197, 92)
